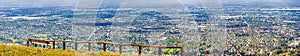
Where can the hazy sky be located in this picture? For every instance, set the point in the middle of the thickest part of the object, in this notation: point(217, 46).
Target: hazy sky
point(42, 3)
point(36, 3)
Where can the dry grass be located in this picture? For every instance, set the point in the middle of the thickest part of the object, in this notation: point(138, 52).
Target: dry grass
point(16, 50)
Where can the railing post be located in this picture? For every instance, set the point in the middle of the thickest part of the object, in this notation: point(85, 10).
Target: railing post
point(104, 45)
point(159, 50)
point(182, 51)
point(35, 45)
point(53, 44)
point(64, 45)
point(140, 49)
point(120, 48)
point(28, 42)
point(76, 46)
point(44, 46)
point(89, 46)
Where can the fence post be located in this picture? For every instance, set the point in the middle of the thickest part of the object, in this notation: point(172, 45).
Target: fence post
point(140, 49)
point(44, 46)
point(35, 45)
point(120, 48)
point(28, 42)
point(182, 51)
point(64, 45)
point(76, 46)
point(159, 50)
point(104, 46)
point(53, 44)
point(89, 46)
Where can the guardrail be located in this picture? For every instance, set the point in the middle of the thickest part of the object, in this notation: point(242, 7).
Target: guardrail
point(104, 43)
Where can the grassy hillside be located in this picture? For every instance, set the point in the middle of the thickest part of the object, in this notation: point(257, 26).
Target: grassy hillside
point(15, 50)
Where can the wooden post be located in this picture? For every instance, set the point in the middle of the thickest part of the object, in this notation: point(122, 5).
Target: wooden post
point(35, 45)
point(104, 46)
point(76, 46)
point(89, 46)
point(140, 49)
point(182, 51)
point(53, 44)
point(159, 50)
point(120, 48)
point(44, 46)
point(64, 45)
point(28, 43)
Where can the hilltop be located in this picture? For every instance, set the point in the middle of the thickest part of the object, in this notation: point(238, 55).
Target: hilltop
point(17, 50)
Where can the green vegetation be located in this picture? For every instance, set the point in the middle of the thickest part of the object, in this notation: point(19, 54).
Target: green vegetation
point(173, 40)
point(172, 50)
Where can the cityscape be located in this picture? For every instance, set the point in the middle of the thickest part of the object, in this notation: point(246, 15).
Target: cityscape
point(202, 27)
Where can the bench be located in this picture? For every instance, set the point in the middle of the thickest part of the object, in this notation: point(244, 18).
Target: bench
point(36, 42)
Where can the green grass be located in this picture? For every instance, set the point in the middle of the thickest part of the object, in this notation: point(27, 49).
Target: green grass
point(16, 50)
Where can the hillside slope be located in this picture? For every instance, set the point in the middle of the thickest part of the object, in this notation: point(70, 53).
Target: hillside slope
point(16, 50)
